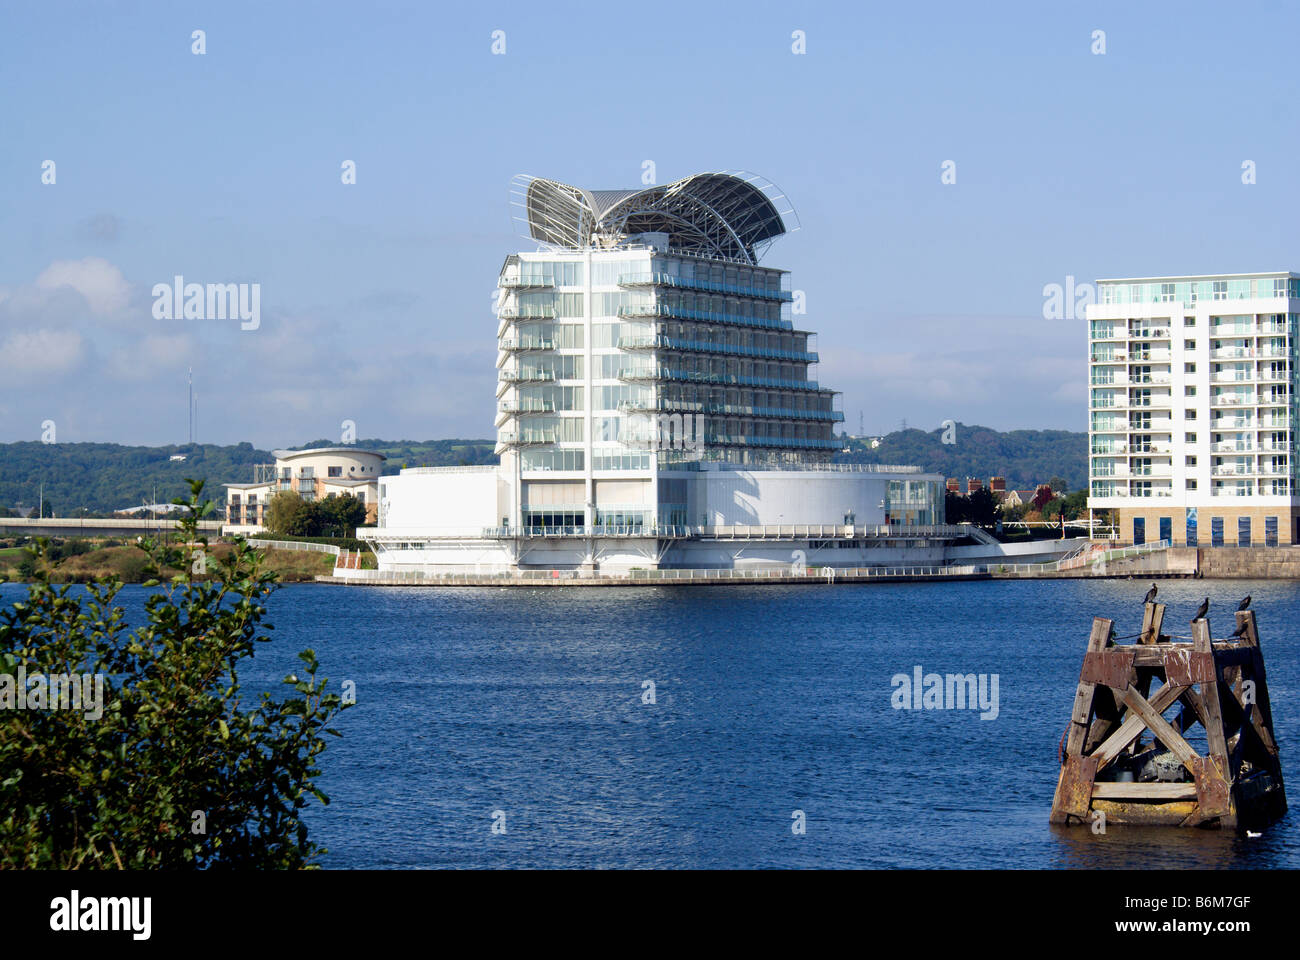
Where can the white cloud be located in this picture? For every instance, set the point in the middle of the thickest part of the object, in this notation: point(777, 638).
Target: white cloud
point(98, 281)
point(41, 352)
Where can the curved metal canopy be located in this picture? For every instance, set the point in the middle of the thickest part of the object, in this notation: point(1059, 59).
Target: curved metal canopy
point(732, 216)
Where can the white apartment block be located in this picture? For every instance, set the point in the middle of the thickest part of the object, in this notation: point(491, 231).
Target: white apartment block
point(1192, 419)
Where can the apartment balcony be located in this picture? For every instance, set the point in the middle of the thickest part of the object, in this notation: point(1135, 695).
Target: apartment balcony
point(1222, 377)
point(1150, 378)
point(1281, 447)
point(1231, 353)
point(666, 280)
point(525, 376)
point(1231, 400)
point(526, 283)
point(530, 313)
point(1149, 333)
point(667, 312)
point(1226, 471)
point(526, 344)
point(525, 408)
point(1231, 423)
point(1238, 446)
point(528, 438)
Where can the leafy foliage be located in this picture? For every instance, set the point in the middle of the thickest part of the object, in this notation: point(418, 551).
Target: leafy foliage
point(287, 513)
point(175, 738)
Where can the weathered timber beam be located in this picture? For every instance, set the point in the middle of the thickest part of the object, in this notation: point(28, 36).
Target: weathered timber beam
point(1134, 724)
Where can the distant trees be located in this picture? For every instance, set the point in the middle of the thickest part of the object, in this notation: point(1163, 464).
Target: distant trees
point(334, 516)
point(1024, 457)
point(980, 508)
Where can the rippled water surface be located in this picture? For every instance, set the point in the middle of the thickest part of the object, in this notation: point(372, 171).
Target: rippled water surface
point(768, 700)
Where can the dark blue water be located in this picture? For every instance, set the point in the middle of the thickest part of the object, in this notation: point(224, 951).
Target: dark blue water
point(769, 700)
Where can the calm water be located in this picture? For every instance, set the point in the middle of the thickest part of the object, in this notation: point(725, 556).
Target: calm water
point(769, 700)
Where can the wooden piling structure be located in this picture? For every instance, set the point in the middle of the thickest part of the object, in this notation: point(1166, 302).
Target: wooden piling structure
point(1108, 769)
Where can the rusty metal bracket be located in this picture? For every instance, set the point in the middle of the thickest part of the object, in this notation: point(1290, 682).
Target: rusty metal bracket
point(1185, 667)
point(1110, 667)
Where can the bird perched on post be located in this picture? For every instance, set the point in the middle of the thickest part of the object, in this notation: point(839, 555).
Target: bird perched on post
point(1151, 595)
point(1202, 610)
point(1245, 603)
point(1241, 629)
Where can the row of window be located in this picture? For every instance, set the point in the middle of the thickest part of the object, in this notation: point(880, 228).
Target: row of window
point(1192, 534)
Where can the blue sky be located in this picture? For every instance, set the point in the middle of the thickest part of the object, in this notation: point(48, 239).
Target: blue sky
point(928, 298)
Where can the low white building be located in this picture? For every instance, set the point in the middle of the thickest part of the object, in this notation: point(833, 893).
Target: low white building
point(458, 520)
point(312, 474)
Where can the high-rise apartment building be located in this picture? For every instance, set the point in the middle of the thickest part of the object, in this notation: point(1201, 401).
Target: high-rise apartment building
point(1192, 418)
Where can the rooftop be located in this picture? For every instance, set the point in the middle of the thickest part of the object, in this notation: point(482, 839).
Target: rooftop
point(730, 216)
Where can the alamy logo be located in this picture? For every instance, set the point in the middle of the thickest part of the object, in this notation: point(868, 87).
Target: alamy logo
point(58, 691)
point(664, 431)
point(953, 691)
point(213, 301)
point(73, 913)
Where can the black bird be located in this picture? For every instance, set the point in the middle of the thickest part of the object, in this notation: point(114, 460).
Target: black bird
point(1241, 629)
point(1202, 610)
point(1245, 603)
point(1151, 595)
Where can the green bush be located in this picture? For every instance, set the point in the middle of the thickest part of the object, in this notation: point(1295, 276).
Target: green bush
point(175, 747)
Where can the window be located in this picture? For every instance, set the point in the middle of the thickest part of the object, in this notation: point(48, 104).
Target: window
point(1189, 461)
point(1189, 438)
point(1139, 531)
point(1166, 528)
point(1189, 414)
point(1191, 527)
point(1189, 391)
point(1216, 531)
point(1189, 344)
point(1270, 531)
point(1189, 485)
point(1190, 321)
point(336, 471)
point(1243, 531)
point(1189, 368)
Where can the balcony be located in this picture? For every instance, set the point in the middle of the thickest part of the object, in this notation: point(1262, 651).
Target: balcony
point(1233, 377)
point(666, 280)
point(531, 313)
point(524, 408)
point(667, 312)
point(528, 438)
point(526, 344)
point(1233, 446)
point(527, 283)
point(525, 376)
point(719, 349)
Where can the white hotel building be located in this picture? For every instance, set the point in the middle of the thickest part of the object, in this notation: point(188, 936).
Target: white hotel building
point(655, 406)
point(1192, 418)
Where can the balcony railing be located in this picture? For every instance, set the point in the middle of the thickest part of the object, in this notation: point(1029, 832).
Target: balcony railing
point(526, 376)
point(666, 280)
point(667, 312)
point(525, 344)
point(527, 283)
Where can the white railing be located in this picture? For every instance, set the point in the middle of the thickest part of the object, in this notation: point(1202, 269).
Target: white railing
point(295, 545)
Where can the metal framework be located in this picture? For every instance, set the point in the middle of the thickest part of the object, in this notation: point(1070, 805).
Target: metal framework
point(728, 215)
